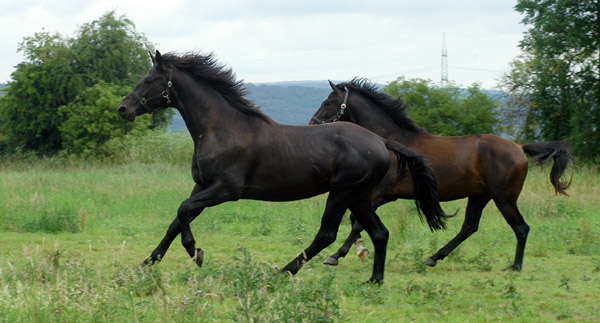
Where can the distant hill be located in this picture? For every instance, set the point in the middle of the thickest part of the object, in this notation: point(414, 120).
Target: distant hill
point(295, 102)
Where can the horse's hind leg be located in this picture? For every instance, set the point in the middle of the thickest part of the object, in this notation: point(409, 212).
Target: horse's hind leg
point(379, 235)
point(475, 206)
point(334, 211)
point(511, 214)
point(345, 248)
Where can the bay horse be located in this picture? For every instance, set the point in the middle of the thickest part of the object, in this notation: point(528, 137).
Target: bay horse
point(479, 167)
point(241, 153)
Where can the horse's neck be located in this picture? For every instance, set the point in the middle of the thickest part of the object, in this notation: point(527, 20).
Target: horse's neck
point(205, 111)
point(380, 123)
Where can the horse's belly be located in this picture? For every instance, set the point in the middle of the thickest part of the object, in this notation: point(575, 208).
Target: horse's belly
point(287, 193)
point(279, 187)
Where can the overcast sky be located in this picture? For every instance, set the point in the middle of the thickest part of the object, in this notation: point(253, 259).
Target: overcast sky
point(273, 40)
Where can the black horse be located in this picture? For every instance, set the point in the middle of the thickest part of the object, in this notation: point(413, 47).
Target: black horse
point(478, 167)
point(240, 153)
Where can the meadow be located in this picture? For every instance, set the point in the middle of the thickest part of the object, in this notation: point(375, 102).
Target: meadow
point(72, 234)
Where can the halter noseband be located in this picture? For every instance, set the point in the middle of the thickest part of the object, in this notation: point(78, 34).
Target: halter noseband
point(164, 94)
point(337, 116)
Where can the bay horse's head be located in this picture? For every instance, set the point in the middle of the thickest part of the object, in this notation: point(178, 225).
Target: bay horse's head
point(333, 108)
point(151, 93)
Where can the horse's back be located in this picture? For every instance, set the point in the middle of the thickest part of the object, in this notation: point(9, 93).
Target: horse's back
point(312, 159)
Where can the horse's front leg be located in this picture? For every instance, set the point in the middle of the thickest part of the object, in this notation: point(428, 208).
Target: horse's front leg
point(174, 230)
point(190, 208)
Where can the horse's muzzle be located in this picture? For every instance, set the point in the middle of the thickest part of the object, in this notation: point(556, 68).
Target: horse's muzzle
point(123, 111)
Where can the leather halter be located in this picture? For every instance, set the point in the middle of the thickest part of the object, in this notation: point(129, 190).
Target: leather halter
point(164, 94)
point(337, 116)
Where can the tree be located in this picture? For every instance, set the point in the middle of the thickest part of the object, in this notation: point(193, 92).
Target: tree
point(111, 50)
point(561, 66)
point(29, 109)
point(446, 111)
point(91, 121)
point(57, 70)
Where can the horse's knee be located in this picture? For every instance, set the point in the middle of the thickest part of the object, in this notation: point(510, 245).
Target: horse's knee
point(468, 230)
point(327, 237)
point(521, 231)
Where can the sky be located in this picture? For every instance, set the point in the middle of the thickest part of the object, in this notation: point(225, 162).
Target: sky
point(274, 40)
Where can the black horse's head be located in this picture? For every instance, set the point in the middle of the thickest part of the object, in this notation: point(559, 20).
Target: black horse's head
point(151, 93)
point(333, 108)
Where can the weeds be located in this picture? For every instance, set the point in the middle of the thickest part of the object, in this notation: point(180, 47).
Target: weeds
point(482, 261)
point(510, 292)
point(91, 275)
point(37, 215)
point(564, 282)
point(596, 265)
point(416, 257)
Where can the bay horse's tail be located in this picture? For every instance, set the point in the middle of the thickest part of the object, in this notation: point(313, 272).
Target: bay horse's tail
point(424, 185)
point(542, 151)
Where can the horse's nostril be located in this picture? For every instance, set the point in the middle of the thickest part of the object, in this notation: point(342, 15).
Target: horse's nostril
point(122, 110)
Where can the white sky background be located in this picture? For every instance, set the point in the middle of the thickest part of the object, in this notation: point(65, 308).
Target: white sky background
point(268, 41)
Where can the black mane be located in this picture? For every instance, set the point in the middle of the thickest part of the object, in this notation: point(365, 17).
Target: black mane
point(205, 67)
point(394, 108)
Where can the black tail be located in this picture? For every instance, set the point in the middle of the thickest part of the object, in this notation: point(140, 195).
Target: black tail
point(424, 185)
point(541, 151)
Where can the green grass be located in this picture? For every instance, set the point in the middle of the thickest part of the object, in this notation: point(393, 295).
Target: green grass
point(72, 235)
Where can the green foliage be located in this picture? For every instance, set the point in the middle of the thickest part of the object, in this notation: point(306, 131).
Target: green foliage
point(111, 50)
point(91, 121)
point(555, 84)
point(446, 111)
point(60, 71)
point(29, 109)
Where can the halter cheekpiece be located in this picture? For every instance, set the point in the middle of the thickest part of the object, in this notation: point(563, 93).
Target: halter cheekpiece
point(337, 116)
point(164, 95)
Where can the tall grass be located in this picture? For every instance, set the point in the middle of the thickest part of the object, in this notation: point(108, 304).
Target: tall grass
point(119, 210)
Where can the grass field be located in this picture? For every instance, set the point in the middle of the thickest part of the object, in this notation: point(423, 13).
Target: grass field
point(71, 237)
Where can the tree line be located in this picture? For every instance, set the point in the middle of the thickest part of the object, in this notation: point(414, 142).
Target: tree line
point(554, 85)
point(62, 96)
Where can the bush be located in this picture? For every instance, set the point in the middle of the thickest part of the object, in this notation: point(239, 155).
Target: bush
point(91, 120)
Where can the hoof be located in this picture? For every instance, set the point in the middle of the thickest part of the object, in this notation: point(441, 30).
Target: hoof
point(513, 268)
point(430, 262)
point(331, 261)
point(199, 257)
point(362, 254)
point(373, 281)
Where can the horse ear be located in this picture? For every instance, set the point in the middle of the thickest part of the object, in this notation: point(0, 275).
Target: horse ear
point(158, 60)
point(152, 57)
point(336, 88)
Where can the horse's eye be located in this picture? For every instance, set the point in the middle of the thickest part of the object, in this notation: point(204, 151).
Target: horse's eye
point(326, 103)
